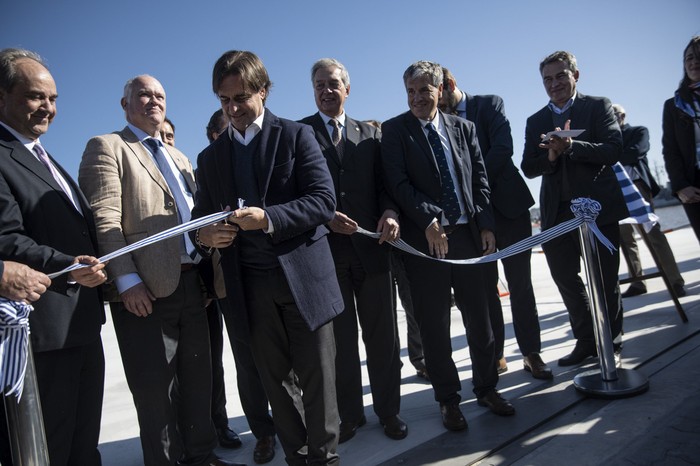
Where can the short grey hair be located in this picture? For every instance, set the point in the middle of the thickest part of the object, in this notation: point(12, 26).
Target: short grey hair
point(129, 84)
point(8, 65)
point(327, 63)
point(424, 68)
point(560, 56)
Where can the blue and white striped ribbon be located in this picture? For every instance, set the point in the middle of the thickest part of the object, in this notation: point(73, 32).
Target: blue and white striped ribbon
point(14, 315)
point(640, 210)
point(165, 234)
point(14, 332)
point(584, 209)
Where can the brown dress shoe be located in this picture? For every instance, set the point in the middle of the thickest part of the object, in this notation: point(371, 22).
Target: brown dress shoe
point(501, 366)
point(496, 403)
point(394, 427)
point(349, 428)
point(534, 364)
point(264, 449)
point(452, 417)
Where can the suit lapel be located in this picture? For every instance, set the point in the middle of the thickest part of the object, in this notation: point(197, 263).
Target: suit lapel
point(324, 140)
point(223, 157)
point(416, 131)
point(352, 139)
point(144, 157)
point(269, 140)
point(471, 107)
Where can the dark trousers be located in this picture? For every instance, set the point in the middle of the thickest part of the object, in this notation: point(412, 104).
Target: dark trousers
point(564, 259)
point(431, 282)
point(403, 289)
point(366, 297)
point(518, 274)
point(218, 388)
point(167, 365)
point(284, 349)
point(693, 210)
point(250, 388)
point(71, 387)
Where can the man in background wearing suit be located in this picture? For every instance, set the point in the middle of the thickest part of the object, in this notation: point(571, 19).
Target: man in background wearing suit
point(139, 187)
point(635, 145)
point(353, 154)
point(279, 271)
point(436, 175)
point(511, 201)
point(577, 168)
point(46, 224)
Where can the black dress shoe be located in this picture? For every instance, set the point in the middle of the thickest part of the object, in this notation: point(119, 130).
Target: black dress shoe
point(680, 291)
point(452, 417)
point(634, 291)
point(349, 428)
point(580, 353)
point(534, 364)
point(394, 427)
point(228, 438)
point(496, 403)
point(264, 449)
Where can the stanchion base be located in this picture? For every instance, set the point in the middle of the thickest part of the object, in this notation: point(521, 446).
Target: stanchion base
point(629, 383)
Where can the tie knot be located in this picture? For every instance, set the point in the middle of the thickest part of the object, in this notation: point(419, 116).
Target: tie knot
point(430, 126)
point(334, 123)
point(39, 150)
point(152, 143)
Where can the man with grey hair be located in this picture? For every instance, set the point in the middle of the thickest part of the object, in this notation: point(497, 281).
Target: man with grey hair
point(353, 155)
point(46, 224)
point(138, 187)
point(436, 175)
point(635, 145)
point(573, 168)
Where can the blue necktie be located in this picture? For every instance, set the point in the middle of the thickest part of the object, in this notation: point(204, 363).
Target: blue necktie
point(448, 197)
point(183, 212)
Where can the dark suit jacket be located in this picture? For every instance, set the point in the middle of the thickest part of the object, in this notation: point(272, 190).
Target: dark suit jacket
point(510, 195)
point(635, 145)
point(40, 227)
point(588, 169)
point(359, 185)
point(297, 194)
point(678, 143)
point(413, 179)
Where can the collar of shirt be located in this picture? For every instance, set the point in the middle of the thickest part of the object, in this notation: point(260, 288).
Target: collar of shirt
point(329, 128)
point(250, 132)
point(567, 106)
point(141, 134)
point(461, 108)
point(26, 142)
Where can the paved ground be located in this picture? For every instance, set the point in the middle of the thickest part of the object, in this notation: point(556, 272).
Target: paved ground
point(554, 425)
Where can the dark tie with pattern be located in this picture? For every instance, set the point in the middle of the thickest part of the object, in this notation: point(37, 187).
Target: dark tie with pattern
point(337, 138)
point(448, 196)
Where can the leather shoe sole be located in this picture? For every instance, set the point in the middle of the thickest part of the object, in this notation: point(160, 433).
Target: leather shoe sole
point(452, 417)
point(394, 427)
point(349, 429)
point(264, 450)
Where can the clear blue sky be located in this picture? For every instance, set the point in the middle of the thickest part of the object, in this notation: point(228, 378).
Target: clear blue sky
point(627, 50)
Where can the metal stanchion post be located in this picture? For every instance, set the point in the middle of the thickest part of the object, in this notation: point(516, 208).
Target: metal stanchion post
point(25, 423)
point(608, 381)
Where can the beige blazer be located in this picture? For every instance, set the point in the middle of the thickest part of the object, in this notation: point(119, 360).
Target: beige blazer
point(130, 201)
